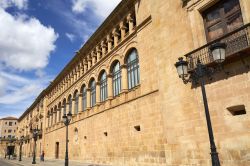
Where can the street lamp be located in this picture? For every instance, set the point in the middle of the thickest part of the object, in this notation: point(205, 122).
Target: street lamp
point(35, 135)
point(66, 121)
point(218, 53)
point(20, 150)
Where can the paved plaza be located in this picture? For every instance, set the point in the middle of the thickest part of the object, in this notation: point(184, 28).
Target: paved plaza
point(49, 162)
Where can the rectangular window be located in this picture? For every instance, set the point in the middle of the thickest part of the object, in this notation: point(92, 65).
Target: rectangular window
point(222, 18)
point(10, 123)
point(9, 131)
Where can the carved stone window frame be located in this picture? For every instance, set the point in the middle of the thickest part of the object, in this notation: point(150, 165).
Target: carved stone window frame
point(195, 8)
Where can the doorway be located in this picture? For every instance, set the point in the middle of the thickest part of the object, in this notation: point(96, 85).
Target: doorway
point(57, 150)
point(10, 150)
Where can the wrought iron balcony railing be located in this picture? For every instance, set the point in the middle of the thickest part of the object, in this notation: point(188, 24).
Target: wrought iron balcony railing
point(236, 41)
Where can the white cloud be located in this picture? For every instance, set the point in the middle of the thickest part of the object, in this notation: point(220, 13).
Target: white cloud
point(25, 44)
point(79, 5)
point(40, 73)
point(18, 89)
point(2, 85)
point(100, 7)
point(19, 92)
point(20, 4)
point(25, 48)
point(70, 36)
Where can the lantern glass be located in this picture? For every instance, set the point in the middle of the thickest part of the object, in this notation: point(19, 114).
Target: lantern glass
point(182, 70)
point(69, 116)
point(219, 55)
point(182, 67)
point(218, 51)
point(64, 118)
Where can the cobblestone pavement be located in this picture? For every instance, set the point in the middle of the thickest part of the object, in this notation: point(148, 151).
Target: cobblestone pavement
point(50, 162)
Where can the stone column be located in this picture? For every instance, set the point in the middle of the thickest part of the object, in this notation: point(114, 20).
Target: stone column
point(67, 108)
point(78, 72)
point(88, 99)
point(55, 116)
point(61, 113)
point(109, 39)
point(93, 54)
point(80, 108)
point(98, 51)
point(130, 22)
point(81, 68)
point(122, 28)
point(98, 93)
point(85, 64)
point(104, 48)
point(58, 114)
point(124, 78)
point(115, 34)
point(66, 84)
point(51, 119)
point(72, 79)
point(75, 76)
point(110, 87)
point(73, 107)
point(47, 123)
point(89, 61)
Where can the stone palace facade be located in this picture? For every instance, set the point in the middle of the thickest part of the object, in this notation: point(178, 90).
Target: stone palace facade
point(129, 106)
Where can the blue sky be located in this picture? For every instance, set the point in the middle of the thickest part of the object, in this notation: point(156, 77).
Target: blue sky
point(37, 39)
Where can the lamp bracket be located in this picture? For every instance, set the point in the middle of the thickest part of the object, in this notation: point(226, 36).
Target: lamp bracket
point(200, 71)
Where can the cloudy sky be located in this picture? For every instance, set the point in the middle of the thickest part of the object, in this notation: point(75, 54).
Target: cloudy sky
point(37, 39)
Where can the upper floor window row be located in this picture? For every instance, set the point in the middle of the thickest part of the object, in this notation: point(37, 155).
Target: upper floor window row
point(121, 30)
point(133, 80)
point(222, 18)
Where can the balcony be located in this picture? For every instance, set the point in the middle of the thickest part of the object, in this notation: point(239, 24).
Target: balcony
point(237, 41)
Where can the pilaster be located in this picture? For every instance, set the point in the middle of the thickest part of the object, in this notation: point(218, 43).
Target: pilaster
point(124, 78)
point(98, 93)
point(110, 88)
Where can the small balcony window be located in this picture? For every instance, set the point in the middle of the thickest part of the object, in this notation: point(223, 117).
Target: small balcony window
point(222, 18)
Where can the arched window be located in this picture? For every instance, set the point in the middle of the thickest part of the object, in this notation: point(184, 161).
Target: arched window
point(133, 69)
point(92, 93)
point(116, 72)
point(70, 103)
point(84, 98)
point(103, 87)
point(64, 106)
point(76, 96)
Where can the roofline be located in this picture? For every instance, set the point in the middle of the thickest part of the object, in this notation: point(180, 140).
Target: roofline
point(9, 118)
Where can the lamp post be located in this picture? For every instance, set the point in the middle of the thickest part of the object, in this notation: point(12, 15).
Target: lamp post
point(66, 121)
point(20, 150)
point(218, 54)
point(35, 135)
